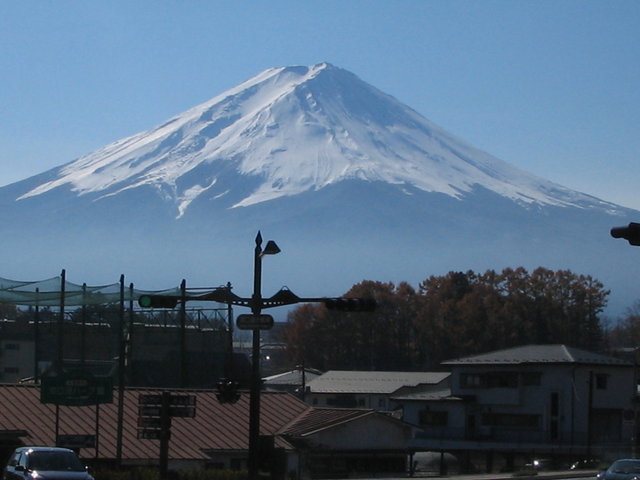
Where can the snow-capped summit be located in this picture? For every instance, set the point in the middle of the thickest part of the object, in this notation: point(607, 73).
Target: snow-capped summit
point(292, 130)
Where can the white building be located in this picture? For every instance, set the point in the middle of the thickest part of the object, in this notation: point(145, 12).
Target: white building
point(550, 399)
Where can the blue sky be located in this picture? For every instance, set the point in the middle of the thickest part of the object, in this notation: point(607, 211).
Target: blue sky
point(551, 86)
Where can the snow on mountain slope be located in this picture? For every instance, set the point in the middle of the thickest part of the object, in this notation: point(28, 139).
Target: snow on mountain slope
point(299, 129)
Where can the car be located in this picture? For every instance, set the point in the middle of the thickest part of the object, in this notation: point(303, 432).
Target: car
point(622, 469)
point(542, 464)
point(40, 463)
point(586, 464)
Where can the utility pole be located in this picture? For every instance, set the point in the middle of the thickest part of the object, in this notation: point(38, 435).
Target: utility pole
point(256, 380)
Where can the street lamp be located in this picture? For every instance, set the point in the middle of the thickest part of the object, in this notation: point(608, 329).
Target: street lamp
point(254, 394)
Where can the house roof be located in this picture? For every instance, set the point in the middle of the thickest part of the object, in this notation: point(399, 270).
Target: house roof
point(317, 419)
point(344, 381)
point(217, 426)
point(537, 354)
point(293, 377)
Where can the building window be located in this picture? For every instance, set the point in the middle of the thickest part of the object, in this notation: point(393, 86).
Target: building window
point(510, 420)
point(470, 380)
point(12, 346)
point(502, 380)
point(601, 381)
point(531, 379)
point(433, 418)
point(489, 380)
point(555, 404)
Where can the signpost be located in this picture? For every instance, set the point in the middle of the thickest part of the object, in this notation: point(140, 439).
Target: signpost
point(252, 322)
point(76, 389)
point(155, 411)
point(256, 322)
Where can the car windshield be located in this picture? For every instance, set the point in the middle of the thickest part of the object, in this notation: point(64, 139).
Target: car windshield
point(625, 466)
point(55, 461)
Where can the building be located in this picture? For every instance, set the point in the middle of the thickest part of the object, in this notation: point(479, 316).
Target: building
point(17, 351)
point(301, 440)
point(353, 389)
point(553, 400)
point(159, 352)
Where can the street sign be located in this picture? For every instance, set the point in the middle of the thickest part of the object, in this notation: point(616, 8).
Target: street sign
point(188, 412)
point(254, 322)
point(149, 411)
point(150, 399)
point(76, 389)
point(149, 422)
point(151, 434)
point(183, 400)
point(155, 399)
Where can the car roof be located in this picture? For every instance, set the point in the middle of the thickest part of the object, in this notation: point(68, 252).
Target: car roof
point(42, 449)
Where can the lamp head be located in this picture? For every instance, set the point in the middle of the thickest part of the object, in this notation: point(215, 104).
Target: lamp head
point(271, 248)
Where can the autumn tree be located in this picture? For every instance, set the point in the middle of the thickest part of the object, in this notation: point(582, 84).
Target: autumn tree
point(449, 316)
point(327, 339)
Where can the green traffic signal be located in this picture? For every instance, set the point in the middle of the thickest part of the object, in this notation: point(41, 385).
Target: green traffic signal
point(158, 301)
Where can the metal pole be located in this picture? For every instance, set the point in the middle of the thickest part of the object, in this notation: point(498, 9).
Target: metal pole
point(59, 366)
point(229, 373)
point(183, 335)
point(36, 333)
point(83, 331)
point(254, 393)
point(165, 432)
point(120, 344)
point(129, 347)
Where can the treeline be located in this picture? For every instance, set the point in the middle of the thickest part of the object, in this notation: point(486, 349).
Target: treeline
point(450, 316)
point(626, 333)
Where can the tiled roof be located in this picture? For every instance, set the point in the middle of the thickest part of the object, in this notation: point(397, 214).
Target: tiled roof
point(216, 426)
point(316, 419)
point(340, 381)
point(536, 354)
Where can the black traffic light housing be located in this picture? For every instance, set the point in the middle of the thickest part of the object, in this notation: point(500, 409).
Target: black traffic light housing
point(631, 233)
point(158, 301)
point(351, 304)
point(227, 391)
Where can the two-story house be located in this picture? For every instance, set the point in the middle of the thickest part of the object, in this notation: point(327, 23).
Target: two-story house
point(544, 400)
point(355, 389)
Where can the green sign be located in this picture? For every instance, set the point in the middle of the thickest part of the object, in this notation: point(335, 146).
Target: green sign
point(76, 389)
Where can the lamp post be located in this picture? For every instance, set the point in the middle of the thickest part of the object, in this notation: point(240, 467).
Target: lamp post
point(254, 394)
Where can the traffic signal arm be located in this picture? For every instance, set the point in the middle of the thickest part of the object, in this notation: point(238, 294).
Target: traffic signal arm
point(631, 233)
point(282, 297)
point(351, 304)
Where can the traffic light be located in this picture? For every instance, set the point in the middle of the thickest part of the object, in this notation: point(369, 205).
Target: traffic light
point(227, 391)
point(631, 233)
point(158, 301)
point(351, 304)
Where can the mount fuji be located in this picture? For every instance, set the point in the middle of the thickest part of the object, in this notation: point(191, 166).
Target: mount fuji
point(351, 183)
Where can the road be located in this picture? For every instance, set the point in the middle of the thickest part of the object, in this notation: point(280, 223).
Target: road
point(556, 475)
